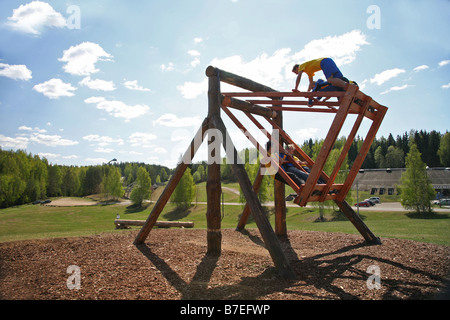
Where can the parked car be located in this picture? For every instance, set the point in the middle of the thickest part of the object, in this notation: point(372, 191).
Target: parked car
point(363, 204)
point(375, 199)
point(291, 197)
point(371, 202)
point(444, 202)
point(46, 201)
point(37, 202)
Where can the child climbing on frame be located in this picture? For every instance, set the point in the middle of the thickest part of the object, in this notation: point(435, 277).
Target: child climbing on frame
point(324, 86)
point(332, 73)
point(286, 163)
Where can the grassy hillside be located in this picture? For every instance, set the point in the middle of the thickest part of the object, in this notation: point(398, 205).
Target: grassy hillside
point(36, 221)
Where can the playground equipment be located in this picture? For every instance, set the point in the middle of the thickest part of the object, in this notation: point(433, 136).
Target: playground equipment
point(269, 104)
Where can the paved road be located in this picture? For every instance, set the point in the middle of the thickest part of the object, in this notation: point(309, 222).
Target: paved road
point(394, 206)
point(387, 206)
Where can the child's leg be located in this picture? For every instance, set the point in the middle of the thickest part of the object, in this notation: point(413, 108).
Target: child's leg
point(332, 73)
point(337, 82)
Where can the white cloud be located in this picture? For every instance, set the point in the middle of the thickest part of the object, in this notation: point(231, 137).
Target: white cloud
point(51, 140)
point(420, 68)
point(306, 134)
point(444, 63)
point(70, 157)
point(129, 153)
point(96, 161)
point(15, 72)
point(160, 150)
point(119, 109)
point(195, 62)
point(13, 143)
point(191, 90)
point(104, 150)
point(396, 88)
point(35, 135)
point(362, 85)
point(384, 76)
point(446, 86)
point(98, 84)
point(342, 49)
point(32, 17)
point(275, 70)
point(55, 88)
point(169, 67)
point(171, 120)
point(35, 129)
point(194, 53)
point(48, 155)
point(198, 40)
point(133, 85)
point(81, 59)
point(269, 70)
point(141, 139)
point(102, 140)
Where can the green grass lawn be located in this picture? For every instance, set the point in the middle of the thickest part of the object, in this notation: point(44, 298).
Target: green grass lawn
point(36, 221)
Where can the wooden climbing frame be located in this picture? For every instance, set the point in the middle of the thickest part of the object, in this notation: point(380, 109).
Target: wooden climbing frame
point(352, 101)
point(266, 103)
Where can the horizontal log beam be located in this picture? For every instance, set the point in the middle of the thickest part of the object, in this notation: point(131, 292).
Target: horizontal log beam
point(161, 224)
point(248, 107)
point(277, 94)
point(295, 102)
point(237, 81)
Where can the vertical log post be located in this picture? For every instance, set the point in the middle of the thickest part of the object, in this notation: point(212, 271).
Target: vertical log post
point(279, 191)
point(213, 184)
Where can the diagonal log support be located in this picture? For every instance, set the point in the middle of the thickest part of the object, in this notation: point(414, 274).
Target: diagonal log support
point(171, 185)
point(270, 239)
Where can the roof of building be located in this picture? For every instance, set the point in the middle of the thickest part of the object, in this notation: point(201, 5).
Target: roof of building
point(390, 178)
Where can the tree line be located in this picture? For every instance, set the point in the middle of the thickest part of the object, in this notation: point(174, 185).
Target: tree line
point(389, 152)
point(25, 178)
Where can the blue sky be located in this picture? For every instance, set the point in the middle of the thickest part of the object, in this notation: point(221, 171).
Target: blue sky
point(83, 82)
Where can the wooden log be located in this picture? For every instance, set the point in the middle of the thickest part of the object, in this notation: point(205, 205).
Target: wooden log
point(171, 185)
point(346, 147)
point(270, 239)
point(248, 107)
point(279, 190)
point(363, 151)
point(279, 95)
point(236, 80)
point(162, 224)
point(357, 222)
point(213, 183)
point(328, 143)
point(246, 212)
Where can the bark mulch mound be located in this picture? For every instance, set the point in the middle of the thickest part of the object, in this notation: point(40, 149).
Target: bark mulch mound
point(172, 265)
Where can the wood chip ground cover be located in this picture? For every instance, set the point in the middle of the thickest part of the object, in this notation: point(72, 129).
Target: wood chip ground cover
point(172, 265)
